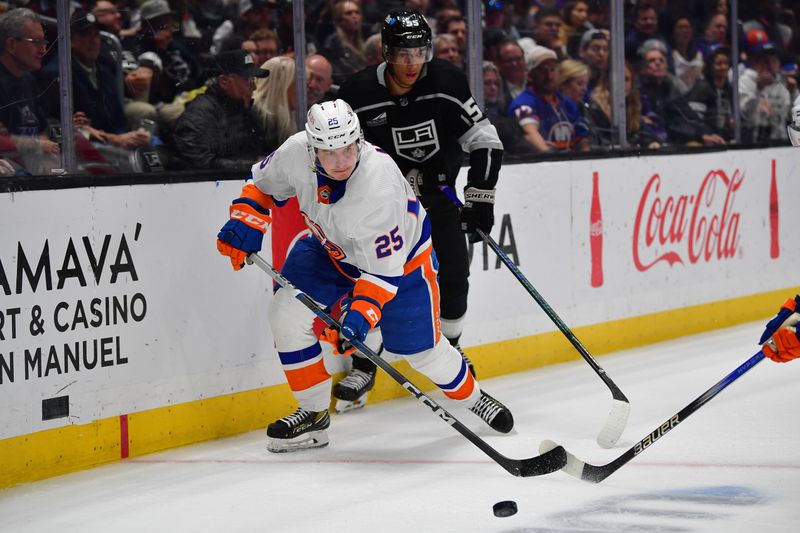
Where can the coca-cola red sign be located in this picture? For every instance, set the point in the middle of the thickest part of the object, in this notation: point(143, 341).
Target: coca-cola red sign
point(687, 228)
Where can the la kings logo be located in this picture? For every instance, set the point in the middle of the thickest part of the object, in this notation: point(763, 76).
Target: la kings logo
point(417, 143)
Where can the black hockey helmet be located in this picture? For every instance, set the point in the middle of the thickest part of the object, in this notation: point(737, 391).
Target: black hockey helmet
point(403, 31)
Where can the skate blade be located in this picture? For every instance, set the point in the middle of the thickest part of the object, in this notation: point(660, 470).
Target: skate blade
point(312, 439)
point(342, 406)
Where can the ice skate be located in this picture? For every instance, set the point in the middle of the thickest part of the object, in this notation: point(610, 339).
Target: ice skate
point(493, 413)
point(351, 393)
point(299, 431)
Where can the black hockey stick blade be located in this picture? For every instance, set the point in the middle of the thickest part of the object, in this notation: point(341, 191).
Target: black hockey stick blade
point(546, 463)
point(621, 407)
point(595, 474)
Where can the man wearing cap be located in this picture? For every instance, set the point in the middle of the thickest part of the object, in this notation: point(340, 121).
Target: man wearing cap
point(765, 102)
point(549, 121)
point(216, 129)
point(95, 95)
point(180, 70)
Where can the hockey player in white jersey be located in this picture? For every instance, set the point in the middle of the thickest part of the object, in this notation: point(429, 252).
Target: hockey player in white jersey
point(371, 241)
point(794, 126)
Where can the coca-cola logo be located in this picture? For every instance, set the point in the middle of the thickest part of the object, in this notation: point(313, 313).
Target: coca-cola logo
point(681, 228)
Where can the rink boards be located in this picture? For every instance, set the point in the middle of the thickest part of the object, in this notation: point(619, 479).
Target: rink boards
point(123, 332)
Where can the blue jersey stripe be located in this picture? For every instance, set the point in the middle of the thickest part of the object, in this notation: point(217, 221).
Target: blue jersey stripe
point(306, 354)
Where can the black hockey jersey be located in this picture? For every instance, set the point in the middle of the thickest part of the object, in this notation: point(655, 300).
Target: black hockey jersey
point(427, 130)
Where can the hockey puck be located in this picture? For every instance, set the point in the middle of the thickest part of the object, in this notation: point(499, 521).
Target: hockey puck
point(505, 508)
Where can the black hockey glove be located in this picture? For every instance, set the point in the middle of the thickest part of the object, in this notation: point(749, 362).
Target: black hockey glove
point(478, 212)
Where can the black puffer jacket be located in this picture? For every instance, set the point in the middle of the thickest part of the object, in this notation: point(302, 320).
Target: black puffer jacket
point(216, 131)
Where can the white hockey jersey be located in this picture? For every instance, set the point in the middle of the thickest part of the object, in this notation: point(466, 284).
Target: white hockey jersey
point(372, 221)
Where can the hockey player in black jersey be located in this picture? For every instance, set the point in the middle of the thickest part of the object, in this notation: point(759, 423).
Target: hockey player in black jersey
point(422, 112)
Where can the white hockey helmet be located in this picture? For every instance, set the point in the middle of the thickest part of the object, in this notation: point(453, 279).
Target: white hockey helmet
point(794, 134)
point(331, 125)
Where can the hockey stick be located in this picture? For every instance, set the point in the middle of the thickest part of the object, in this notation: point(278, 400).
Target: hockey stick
point(621, 407)
point(546, 463)
point(596, 474)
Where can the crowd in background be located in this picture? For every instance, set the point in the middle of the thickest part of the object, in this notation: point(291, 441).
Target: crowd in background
point(211, 83)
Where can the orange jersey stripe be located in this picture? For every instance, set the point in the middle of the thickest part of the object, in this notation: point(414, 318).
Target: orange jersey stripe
point(429, 273)
point(417, 261)
point(372, 291)
point(306, 377)
point(463, 392)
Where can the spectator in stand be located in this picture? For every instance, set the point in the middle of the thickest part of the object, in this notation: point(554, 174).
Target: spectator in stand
point(457, 27)
point(573, 82)
point(511, 64)
point(549, 121)
point(344, 48)
point(373, 51)
point(95, 93)
point(639, 132)
point(576, 22)
point(248, 46)
point(599, 14)
point(496, 110)
point(22, 47)
point(645, 28)
point(499, 18)
point(275, 101)
point(546, 30)
point(200, 21)
point(319, 80)
point(594, 52)
point(770, 17)
point(253, 15)
point(108, 16)
point(138, 83)
point(712, 96)
point(217, 129)
point(268, 45)
point(180, 70)
point(443, 15)
point(667, 110)
point(765, 101)
point(715, 34)
point(109, 19)
point(686, 58)
point(445, 47)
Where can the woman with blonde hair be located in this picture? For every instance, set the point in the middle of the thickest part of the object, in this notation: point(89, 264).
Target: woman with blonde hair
point(573, 80)
point(275, 101)
point(639, 131)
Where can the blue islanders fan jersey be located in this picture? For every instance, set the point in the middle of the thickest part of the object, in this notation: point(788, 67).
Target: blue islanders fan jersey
point(559, 120)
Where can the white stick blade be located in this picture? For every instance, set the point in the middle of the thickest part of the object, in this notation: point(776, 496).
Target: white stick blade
point(574, 466)
point(615, 425)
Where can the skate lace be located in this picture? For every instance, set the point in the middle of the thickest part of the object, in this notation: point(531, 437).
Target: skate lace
point(356, 380)
point(295, 418)
point(486, 408)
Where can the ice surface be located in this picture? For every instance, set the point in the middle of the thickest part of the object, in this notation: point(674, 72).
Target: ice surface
point(733, 466)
